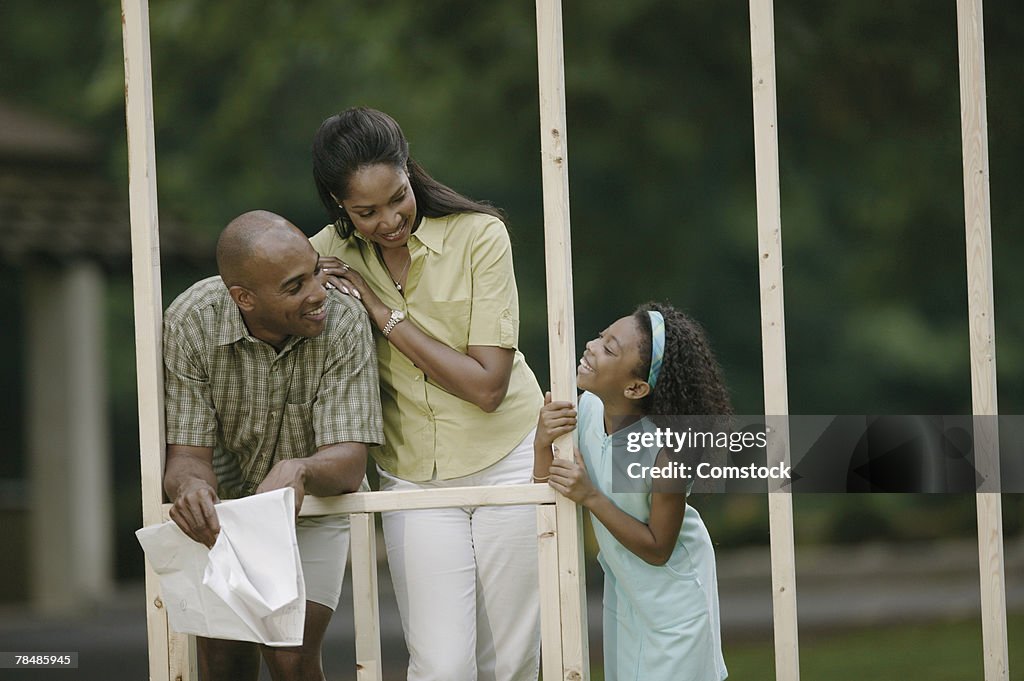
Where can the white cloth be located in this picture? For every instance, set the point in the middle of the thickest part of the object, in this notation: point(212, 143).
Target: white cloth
point(248, 587)
point(466, 580)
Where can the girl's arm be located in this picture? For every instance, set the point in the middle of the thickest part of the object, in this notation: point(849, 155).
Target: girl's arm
point(556, 419)
point(652, 541)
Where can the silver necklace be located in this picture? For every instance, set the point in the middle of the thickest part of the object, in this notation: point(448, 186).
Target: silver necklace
point(397, 281)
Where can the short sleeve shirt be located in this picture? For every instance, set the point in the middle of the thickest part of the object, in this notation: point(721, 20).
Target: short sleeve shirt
point(254, 405)
point(461, 290)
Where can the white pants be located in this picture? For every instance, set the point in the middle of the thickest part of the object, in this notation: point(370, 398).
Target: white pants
point(466, 580)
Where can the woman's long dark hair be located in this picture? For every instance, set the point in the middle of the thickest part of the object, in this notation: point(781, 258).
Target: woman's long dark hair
point(360, 137)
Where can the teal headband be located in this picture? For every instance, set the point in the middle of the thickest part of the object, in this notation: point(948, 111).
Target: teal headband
point(657, 345)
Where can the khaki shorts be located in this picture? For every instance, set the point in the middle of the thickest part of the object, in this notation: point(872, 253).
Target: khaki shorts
point(323, 549)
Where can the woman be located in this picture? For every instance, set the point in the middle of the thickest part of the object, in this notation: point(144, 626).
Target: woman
point(434, 272)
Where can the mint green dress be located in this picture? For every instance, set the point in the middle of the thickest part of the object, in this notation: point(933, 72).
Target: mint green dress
point(661, 622)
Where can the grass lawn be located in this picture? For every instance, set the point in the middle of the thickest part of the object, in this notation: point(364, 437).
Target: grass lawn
point(936, 652)
point(943, 651)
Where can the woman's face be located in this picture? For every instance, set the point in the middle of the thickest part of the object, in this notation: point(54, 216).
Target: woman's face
point(381, 205)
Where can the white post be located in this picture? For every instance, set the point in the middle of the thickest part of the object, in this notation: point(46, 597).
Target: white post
point(550, 610)
point(981, 311)
point(365, 605)
point(72, 508)
point(561, 336)
point(170, 655)
point(773, 331)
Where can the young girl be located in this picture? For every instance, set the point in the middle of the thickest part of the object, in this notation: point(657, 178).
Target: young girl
point(661, 592)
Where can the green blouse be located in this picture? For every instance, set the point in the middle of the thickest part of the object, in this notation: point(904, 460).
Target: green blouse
point(460, 290)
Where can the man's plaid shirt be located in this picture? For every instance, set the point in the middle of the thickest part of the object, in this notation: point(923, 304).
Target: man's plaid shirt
point(227, 390)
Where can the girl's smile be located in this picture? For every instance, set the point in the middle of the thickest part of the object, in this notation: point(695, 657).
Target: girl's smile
point(609, 365)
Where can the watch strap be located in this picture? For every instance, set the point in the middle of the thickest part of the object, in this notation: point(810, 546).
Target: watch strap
point(396, 316)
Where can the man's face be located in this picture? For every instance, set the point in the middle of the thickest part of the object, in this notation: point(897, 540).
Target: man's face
point(288, 292)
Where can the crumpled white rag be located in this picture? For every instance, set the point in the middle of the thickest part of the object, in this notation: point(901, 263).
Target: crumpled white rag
point(248, 587)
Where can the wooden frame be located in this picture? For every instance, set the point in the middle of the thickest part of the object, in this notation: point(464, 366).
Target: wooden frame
point(365, 605)
point(982, 331)
point(561, 334)
point(773, 332)
point(362, 506)
point(563, 617)
point(172, 656)
point(981, 313)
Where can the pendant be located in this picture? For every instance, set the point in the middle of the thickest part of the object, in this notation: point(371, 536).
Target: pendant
point(398, 286)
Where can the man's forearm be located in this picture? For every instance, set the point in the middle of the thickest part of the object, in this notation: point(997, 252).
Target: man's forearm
point(187, 467)
point(335, 469)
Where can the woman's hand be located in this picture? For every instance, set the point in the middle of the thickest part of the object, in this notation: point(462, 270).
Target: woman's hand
point(342, 277)
point(556, 419)
point(570, 479)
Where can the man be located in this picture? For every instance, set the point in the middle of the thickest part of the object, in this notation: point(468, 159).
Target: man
point(270, 382)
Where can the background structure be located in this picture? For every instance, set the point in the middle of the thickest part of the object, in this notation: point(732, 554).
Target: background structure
point(660, 138)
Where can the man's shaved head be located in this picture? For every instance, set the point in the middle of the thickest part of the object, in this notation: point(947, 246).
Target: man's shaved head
point(273, 274)
point(248, 242)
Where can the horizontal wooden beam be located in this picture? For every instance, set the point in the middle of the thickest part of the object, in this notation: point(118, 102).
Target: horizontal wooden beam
point(404, 500)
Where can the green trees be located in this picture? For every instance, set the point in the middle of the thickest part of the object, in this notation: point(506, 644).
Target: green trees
point(660, 149)
point(660, 154)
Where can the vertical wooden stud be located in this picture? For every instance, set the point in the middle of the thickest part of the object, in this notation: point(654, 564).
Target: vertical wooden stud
point(148, 319)
point(561, 336)
point(550, 606)
point(773, 331)
point(981, 312)
point(364, 597)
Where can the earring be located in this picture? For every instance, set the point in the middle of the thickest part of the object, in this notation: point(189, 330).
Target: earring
point(343, 219)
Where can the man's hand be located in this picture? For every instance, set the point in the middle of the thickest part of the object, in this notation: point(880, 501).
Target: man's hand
point(287, 473)
point(194, 512)
point(190, 483)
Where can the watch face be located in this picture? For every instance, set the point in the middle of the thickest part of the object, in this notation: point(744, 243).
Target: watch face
point(396, 316)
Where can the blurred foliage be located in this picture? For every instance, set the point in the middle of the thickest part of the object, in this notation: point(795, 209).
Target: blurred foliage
point(949, 650)
point(661, 167)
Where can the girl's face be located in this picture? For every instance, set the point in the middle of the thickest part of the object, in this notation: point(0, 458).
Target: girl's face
point(609, 362)
point(381, 205)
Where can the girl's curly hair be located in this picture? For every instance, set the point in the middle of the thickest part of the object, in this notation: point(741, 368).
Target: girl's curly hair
point(690, 380)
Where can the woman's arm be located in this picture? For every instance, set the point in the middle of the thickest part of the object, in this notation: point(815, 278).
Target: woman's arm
point(480, 375)
point(652, 541)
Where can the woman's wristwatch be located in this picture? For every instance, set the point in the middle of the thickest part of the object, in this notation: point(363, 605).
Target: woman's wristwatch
point(396, 316)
